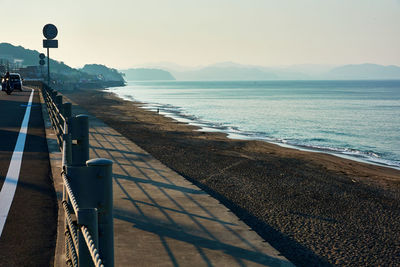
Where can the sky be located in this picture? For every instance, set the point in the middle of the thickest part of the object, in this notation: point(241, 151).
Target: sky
point(126, 33)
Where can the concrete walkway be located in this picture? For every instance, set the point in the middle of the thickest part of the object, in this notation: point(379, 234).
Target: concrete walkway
point(161, 219)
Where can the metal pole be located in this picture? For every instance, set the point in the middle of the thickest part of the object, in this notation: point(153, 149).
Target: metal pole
point(48, 67)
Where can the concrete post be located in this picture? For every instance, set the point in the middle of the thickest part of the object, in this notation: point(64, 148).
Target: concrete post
point(102, 169)
point(78, 128)
point(88, 218)
point(59, 104)
point(53, 95)
point(97, 176)
point(59, 101)
point(67, 145)
point(67, 151)
point(67, 110)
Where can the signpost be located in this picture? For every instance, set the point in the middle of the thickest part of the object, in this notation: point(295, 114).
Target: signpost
point(50, 32)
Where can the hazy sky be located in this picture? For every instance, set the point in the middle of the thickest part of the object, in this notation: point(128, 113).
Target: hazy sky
point(124, 33)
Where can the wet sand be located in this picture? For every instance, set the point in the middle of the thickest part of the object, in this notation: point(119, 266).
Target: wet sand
point(316, 209)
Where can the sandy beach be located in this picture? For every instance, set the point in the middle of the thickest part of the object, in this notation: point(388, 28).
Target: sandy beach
point(316, 209)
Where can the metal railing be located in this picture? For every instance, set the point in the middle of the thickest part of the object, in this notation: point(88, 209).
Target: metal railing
point(87, 188)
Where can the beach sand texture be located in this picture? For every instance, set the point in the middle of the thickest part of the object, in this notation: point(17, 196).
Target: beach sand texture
point(316, 209)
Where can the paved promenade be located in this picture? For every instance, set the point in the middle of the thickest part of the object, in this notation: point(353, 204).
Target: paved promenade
point(161, 219)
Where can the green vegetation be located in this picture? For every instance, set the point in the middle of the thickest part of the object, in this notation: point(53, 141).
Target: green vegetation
point(20, 59)
point(102, 72)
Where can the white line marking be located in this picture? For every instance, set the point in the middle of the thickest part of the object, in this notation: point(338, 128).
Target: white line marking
point(11, 181)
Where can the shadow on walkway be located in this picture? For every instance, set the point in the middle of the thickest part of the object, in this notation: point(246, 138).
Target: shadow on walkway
point(163, 219)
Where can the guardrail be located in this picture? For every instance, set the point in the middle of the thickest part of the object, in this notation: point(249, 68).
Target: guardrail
point(87, 190)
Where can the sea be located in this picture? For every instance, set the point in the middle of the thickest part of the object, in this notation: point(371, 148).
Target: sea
point(359, 120)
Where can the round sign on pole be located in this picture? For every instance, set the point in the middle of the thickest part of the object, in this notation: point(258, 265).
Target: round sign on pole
point(41, 62)
point(50, 31)
point(42, 56)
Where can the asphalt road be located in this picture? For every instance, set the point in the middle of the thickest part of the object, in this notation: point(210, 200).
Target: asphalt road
point(29, 234)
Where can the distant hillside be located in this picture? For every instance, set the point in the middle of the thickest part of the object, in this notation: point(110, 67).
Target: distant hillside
point(234, 71)
point(102, 72)
point(363, 72)
point(226, 73)
point(229, 71)
point(97, 75)
point(27, 57)
point(143, 74)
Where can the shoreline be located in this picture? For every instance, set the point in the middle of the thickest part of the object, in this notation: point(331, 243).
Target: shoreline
point(198, 127)
point(315, 208)
point(234, 133)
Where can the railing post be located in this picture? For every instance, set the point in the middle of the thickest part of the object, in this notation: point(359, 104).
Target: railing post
point(96, 175)
point(78, 127)
point(67, 151)
point(67, 110)
point(67, 145)
point(104, 194)
point(59, 103)
point(53, 95)
point(88, 218)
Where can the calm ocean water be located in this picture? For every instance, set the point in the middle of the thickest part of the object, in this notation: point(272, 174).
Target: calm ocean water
point(357, 119)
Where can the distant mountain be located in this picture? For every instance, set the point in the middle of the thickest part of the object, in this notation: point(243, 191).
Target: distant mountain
point(363, 72)
point(144, 74)
point(226, 73)
point(235, 71)
point(168, 66)
point(305, 70)
point(102, 72)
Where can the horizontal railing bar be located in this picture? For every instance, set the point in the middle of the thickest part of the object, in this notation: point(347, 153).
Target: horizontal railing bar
point(94, 253)
point(70, 193)
point(62, 118)
point(69, 264)
point(54, 106)
point(73, 256)
point(71, 226)
point(88, 238)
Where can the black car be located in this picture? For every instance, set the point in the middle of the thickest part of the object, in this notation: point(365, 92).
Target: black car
point(15, 82)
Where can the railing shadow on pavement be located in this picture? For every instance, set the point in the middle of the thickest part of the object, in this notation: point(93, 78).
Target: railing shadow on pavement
point(285, 244)
point(141, 214)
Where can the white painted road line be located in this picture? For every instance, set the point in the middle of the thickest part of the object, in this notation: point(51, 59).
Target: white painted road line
point(11, 181)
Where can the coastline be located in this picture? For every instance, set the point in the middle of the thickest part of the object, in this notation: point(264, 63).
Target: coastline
point(346, 118)
point(317, 209)
point(174, 113)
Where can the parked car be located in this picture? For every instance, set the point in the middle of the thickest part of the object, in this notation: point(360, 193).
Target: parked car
point(15, 82)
